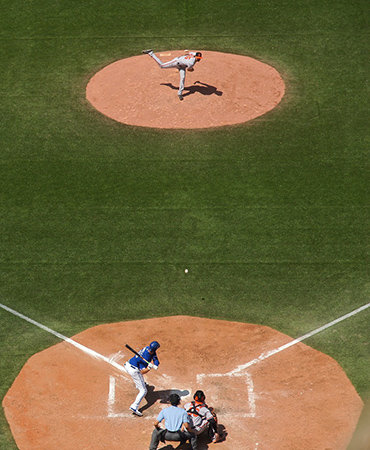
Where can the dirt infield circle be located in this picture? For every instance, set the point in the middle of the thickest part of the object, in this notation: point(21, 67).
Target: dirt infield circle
point(297, 399)
point(224, 89)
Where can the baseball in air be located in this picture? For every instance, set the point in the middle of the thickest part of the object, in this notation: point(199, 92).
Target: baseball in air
point(186, 271)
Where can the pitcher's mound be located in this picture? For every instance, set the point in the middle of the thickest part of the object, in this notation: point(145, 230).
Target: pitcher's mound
point(297, 399)
point(224, 89)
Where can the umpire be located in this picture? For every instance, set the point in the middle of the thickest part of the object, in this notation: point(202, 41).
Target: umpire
point(175, 419)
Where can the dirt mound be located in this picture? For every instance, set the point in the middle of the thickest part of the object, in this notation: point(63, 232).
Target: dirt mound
point(224, 89)
point(299, 398)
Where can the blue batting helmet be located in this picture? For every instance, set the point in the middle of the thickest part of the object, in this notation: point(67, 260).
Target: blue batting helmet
point(154, 346)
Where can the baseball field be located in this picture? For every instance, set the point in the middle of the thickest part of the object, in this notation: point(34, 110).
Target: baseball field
point(99, 220)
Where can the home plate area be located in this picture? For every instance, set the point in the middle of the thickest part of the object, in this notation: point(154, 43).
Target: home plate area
point(300, 398)
point(214, 385)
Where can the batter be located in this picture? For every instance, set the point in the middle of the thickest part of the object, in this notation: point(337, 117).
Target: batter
point(136, 367)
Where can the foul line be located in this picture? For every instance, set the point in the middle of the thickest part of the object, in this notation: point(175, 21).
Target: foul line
point(266, 355)
point(86, 350)
point(261, 357)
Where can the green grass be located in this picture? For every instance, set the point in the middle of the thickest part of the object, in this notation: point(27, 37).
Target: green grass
point(98, 220)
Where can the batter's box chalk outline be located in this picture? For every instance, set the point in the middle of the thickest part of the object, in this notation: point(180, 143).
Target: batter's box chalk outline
point(251, 412)
point(112, 403)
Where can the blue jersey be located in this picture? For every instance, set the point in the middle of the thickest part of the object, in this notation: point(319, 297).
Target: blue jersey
point(139, 363)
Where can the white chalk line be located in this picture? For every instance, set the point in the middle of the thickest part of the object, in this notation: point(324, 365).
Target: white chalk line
point(251, 396)
point(124, 415)
point(113, 363)
point(234, 372)
point(270, 353)
point(81, 347)
point(263, 356)
point(250, 390)
point(112, 401)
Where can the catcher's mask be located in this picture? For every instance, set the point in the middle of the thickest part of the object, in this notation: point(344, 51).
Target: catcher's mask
point(199, 396)
point(198, 56)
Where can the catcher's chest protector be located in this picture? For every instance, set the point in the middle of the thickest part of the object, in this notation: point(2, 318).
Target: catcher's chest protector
point(193, 410)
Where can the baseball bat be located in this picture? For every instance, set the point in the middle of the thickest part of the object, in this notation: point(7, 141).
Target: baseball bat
point(138, 354)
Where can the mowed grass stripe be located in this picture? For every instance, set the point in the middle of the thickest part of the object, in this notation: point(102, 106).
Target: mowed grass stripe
point(82, 197)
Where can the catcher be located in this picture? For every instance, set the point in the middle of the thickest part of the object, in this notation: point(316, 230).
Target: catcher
point(203, 417)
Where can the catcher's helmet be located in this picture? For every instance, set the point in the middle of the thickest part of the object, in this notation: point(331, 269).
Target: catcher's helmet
point(154, 346)
point(199, 396)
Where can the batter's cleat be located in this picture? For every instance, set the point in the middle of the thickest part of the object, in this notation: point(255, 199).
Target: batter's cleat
point(146, 52)
point(181, 97)
point(136, 412)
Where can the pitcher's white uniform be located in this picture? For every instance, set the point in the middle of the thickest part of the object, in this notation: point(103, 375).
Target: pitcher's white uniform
point(182, 63)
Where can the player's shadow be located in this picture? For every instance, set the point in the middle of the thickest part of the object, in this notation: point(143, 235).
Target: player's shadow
point(198, 86)
point(153, 396)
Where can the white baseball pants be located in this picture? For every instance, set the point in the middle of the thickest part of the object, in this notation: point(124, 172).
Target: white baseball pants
point(139, 381)
point(174, 63)
point(201, 428)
